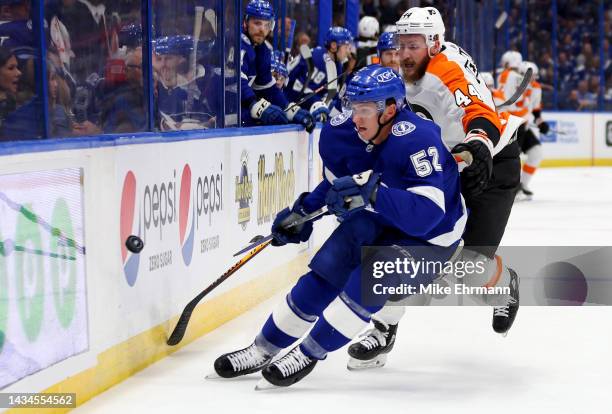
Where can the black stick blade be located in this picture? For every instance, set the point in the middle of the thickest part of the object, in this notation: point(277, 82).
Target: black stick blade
point(180, 328)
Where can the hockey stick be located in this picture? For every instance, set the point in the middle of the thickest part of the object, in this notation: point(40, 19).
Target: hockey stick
point(306, 53)
point(498, 24)
point(332, 88)
point(289, 44)
point(181, 325)
point(313, 93)
point(520, 90)
point(257, 240)
point(192, 88)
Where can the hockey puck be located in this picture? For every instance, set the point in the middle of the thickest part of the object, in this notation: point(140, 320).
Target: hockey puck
point(134, 244)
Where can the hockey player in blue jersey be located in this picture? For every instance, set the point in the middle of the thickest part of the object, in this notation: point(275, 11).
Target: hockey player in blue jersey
point(186, 97)
point(335, 52)
point(279, 73)
point(392, 181)
point(262, 102)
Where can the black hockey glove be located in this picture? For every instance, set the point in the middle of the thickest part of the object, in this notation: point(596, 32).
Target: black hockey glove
point(474, 178)
point(295, 234)
point(544, 127)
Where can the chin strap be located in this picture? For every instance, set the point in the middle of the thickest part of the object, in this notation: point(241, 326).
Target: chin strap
point(371, 145)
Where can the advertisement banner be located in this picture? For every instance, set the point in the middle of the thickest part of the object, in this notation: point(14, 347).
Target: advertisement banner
point(43, 294)
point(570, 135)
point(194, 204)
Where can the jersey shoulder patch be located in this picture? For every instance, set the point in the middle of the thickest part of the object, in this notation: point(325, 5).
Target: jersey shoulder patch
point(402, 128)
point(340, 118)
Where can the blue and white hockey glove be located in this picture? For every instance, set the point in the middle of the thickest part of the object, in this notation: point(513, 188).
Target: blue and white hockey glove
point(351, 194)
point(300, 116)
point(295, 234)
point(319, 111)
point(267, 113)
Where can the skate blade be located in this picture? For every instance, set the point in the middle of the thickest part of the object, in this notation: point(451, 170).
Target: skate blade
point(213, 376)
point(359, 365)
point(264, 385)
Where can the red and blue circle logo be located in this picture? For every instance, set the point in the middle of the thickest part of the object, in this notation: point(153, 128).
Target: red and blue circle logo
point(186, 216)
point(130, 260)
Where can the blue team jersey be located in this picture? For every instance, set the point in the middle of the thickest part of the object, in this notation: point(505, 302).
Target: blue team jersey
point(256, 79)
point(199, 96)
point(298, 74)
point(18, 37)
point(420, 190)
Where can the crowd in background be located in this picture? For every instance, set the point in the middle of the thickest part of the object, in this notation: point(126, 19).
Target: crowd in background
point(578, 48)
point(94, 61)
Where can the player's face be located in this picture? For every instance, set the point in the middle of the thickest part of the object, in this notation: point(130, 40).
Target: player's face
point(280, 80)
point(343, 52)
point(168, 65)
point(413, 56)
point(390, 59)
point(258, 30)
point(9, 76)
point(365, 116)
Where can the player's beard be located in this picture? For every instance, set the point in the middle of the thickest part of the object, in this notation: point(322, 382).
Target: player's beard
point(414, 73)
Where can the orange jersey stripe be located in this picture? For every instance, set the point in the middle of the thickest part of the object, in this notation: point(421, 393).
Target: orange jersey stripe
point(452, 76)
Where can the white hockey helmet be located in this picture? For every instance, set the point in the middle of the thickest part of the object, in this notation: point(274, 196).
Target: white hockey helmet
point(487, 77)
point(526, 65)
point(426, 21)
point(369, 27)
point(511, 59)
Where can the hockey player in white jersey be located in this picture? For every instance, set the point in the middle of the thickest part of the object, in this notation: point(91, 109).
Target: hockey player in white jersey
point(443, 84)
point(529, 136)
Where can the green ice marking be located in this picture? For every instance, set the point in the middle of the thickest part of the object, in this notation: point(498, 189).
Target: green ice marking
point(30, 267)
point(64, 296)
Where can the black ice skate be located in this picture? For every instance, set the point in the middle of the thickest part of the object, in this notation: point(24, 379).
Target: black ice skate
point(287, 370)
point(372, 350)
point(523, 193)
point(244, 361)
point(503, 316)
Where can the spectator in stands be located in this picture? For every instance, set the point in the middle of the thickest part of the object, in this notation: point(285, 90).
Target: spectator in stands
point(123, 110)
point(16, 121)
point(16, 35)
point(388, 14)
point(9, 79)
point(587, 99)
point(60, 113)
point(85, 33)
point(572, 102)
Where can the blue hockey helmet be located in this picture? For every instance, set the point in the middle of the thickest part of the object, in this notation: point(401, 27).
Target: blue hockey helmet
point(280, 68)
point(278, 55)
point(337, 34)
point(386, 41)
point(377, 84)
point(180, 45)
point(130, 35)
point(260, 9)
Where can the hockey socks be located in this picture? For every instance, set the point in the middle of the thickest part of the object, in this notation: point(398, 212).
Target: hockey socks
point(296, 314)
